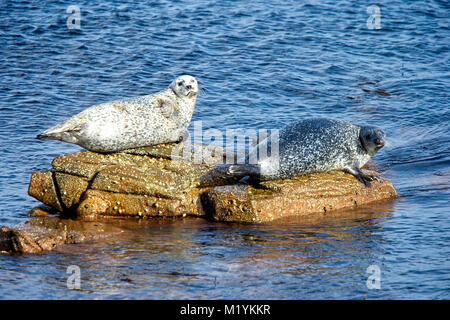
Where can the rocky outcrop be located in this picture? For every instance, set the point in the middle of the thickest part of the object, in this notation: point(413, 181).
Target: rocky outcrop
point(148, 182)
point(169, 181)
point(313, 194)
point(142, 182)
point(47, 233)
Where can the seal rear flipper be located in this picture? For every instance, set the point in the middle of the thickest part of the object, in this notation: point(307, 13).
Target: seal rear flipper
point(42, 136)
point(49, 136)
point(68, 135)
point(243, 170)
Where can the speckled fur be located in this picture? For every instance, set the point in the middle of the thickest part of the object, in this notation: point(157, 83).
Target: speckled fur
point(162, 117)
point(313, 145)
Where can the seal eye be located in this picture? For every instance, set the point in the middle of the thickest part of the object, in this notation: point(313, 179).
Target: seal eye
point(180, 83)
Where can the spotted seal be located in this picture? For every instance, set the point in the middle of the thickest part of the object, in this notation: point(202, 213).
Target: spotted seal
point(148, 120)
point(315, 145)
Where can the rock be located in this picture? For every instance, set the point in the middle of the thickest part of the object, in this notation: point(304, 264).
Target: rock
point(42, 187)
point(208, 154)
point(48, 233)
point(101, 204)
point(154, 182)
point(38, 212)
point(158, 182)
point(15, 242)
point(317, 193)
point(139, 182)
point(71, 188)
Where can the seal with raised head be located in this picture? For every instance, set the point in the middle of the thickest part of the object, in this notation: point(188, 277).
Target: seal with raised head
point(315, 145)
point(148, 120)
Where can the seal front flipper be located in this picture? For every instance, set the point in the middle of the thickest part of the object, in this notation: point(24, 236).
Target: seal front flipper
point(180, 135)
point(362, 177)
point(167, 108)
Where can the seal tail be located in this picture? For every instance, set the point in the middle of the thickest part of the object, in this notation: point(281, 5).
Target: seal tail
point(61, 133)
point(43, 136)
point(226, 174)
point(243, 170)
point(66, 136)
point(50, 136)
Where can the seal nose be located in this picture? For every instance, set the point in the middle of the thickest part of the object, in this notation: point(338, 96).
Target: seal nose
point(379, 142)
point(189, 87)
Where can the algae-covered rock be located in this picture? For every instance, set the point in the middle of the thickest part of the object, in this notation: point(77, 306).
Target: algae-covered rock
point(152, 182)
point(48, 233)
point(316, 193)
point(71, 188)
point(42, 187)
point(140, 182)
point(100, 204)
point(169, 181)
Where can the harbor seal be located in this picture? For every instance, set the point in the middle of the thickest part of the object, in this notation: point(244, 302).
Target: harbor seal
point(148, 120)
point(316, 145)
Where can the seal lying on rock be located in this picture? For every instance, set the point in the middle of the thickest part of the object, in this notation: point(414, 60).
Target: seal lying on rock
point(315, 145)
point(162, 117)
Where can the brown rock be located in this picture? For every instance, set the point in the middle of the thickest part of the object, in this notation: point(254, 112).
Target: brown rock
point(194, 153)
point(145, 185)
point(102, 204)
point(158, 151)
point(136, 183)
point(83, 164)
point(38, 212)
point(147, 182)
point(14, 241)
point(71, 188)
point(316, 193)
point(48, 233)
point(42, 187)
point(151, 181)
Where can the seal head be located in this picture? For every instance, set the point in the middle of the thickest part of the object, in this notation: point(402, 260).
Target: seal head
point(372, 139)
point(185, 86)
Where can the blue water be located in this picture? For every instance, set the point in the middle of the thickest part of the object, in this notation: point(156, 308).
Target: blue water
point(262, 64)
